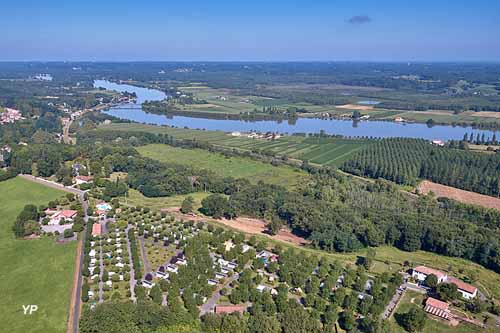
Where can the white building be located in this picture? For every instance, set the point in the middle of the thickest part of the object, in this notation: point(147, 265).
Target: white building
point(419, 273)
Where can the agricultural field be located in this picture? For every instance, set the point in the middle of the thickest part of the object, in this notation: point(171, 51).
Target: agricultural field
point(228, 101)
point(322, 151)
point(237, 167)
point(467, 197)
point(447, 117)
point(37, 271)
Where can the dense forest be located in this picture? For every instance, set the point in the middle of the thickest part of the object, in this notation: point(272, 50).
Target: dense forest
point(405, 160)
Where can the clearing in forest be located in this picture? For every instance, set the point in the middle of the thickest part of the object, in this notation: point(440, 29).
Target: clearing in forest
point(467, 197)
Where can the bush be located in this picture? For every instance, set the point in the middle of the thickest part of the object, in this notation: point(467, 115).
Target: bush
point(68, 233)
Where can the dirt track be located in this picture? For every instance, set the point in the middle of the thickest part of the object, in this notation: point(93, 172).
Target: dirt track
point(355, 107)
point(459, 195)
point(246, 225)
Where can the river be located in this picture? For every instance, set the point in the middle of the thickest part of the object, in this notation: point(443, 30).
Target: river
point(349, 128)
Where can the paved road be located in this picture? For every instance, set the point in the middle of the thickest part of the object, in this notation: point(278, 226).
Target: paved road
point(145, 262)
point(209, 305)
point(77, 296)
point(66, 137)
point(132, 272)
point(389, 309)
point(101, 272)
point(55, 185)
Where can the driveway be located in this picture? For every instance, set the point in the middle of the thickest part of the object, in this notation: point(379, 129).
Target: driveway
point(209, 305)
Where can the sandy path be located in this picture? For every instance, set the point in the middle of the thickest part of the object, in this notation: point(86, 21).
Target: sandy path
point(459, 195)
point(355, 107)
point(247, 225)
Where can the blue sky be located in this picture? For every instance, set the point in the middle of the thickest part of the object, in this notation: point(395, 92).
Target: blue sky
point(272, 30)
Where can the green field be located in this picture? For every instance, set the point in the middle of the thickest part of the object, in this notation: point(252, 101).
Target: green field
point(38, 272)
point(237, 167)
point(321, 151)
point(135, 198)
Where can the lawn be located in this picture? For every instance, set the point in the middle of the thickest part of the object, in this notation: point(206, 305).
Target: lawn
point(237, 167)
point(135, 198)
point(38, 272)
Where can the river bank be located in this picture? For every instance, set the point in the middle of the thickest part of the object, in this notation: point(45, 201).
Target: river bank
point(348, 128)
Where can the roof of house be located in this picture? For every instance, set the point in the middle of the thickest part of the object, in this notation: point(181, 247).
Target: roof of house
point(50, 212)
point(462, 285)
point(437, 308)
point(429, 271)
point(436, 303)
point(96, 229)
point(68, 213)
point(84, 178)
point(230, 308)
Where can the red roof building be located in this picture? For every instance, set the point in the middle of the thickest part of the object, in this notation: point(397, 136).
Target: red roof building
point(437, 308)
point(56, 216)
point(96, 229)
point(83, 179)
point(230, 308)
point(468, 291)
point(68, 214)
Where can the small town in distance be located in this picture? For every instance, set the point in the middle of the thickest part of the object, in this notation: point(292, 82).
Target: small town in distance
point(250, 167)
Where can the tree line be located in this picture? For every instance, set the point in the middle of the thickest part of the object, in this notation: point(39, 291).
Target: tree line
point(404, 161)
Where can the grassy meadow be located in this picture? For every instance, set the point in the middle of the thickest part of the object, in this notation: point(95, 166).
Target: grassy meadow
point(237, 167)
point(38, 271)
point(135, 198)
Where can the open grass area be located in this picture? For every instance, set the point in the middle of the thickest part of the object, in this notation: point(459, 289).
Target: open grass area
point(322, 151)
point(38, 272)
point(135, 198)
point(237, 167)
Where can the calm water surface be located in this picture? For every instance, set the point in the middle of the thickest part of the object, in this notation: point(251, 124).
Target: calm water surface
point(383, 129)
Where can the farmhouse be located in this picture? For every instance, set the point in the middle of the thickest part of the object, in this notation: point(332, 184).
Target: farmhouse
point(419, 273)
point(466, 290)
point(229, 308)
point(57, 216)
point(437, 308)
